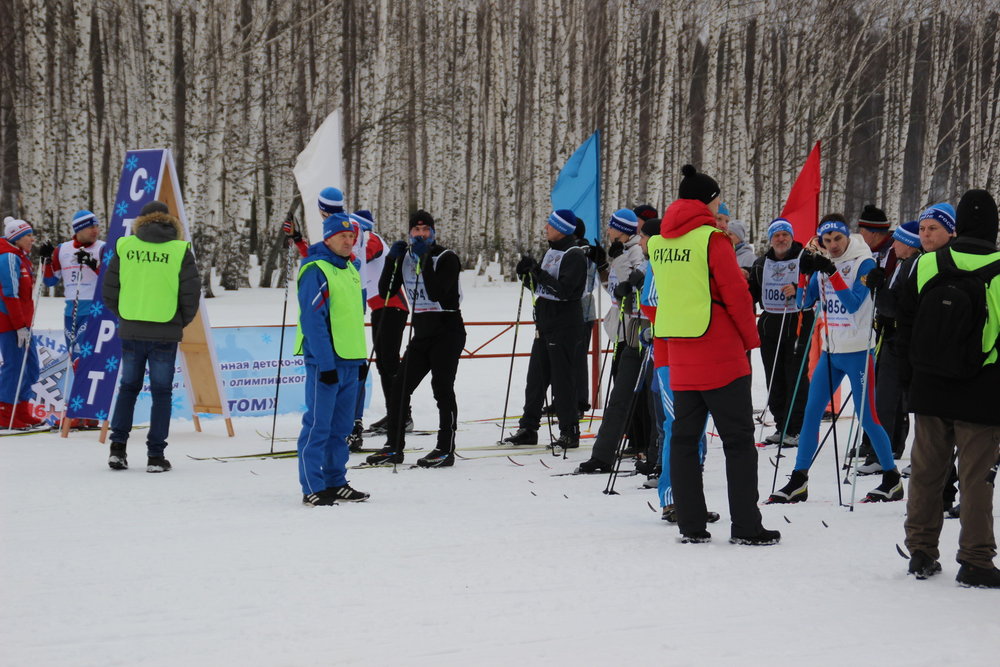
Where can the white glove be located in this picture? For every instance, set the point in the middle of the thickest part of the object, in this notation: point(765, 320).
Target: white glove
point(23, 337)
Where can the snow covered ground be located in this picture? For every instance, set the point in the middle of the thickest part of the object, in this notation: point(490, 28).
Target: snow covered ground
point(486, 563)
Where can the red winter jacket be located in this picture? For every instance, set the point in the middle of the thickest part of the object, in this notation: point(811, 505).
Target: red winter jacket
point(16, 284)
point(720, 356)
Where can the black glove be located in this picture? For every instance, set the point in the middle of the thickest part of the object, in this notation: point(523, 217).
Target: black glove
point(598, 256)
point(45, 252)
point(637, 278)
point(328, 377)
point(875, 279)
point(86, 259)
point(616, 249)
point(291, 233)
point(824, 264)
point(397, 250)
point(363, 372)
point(806, 263)
point(526, 265)
point(622, 290)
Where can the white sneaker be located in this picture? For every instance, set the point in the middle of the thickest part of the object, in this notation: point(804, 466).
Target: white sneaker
point(774, 438)
point(790, 441)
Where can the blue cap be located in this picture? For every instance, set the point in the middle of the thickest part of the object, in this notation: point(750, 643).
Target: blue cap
point(943, 213)
point(723, 209)
point(331, 200)
point(337, 224)
point(779, 225)
point(563, 220)
point(83, 219)
point(624, 220)
point(908, 233)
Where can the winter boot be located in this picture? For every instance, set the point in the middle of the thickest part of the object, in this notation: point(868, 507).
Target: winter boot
point(380, 426)
point(790, 440)
point(324, 497)
point(764, 538)
point(24, 415)
point(890, 489)
point(953, 512)
point(346, 494)
point(645, 467)
point(567, 441)
point(354, 443)
point(699, 537)
point(383, 456)
point(971, 576)
point(157, 464)
point(774, 438)
point(670, 515)
point(652, 481)
point(117, 460)
point(796, 491)
point(593, 466)
point(523, 436)
point(871, 466)
point(923, 566)
point(437, 458)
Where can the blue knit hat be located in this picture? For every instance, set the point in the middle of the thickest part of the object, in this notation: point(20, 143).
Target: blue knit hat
point(331, 200)
point(908, 233)
point(833, 226)
point(564, 221)
point(337, 224)
point(624, 220)
point(723, 209)
point(943, 213)
point(365, 219)
point(83, 219)
point(779, 225)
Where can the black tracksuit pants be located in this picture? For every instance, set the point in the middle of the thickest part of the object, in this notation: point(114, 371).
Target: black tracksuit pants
point(553, 356)
point(582, 359)
point(388, 325)
point(732, 410)
point(782, 348)
point(616, 415)
point(435, 350)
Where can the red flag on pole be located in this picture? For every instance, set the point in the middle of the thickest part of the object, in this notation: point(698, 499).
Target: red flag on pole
point(802, 207)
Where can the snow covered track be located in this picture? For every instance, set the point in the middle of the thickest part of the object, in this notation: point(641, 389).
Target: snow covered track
point(485, 563)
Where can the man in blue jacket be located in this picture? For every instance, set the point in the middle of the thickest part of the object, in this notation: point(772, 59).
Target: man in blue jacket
point(331, 336)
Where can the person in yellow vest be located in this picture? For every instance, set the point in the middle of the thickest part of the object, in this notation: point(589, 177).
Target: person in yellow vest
point(948, 344)
point(706, 315)
point(331, 337)
point(152, 285)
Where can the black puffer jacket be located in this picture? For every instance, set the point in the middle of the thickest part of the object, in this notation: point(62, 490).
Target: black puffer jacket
point(157, 228)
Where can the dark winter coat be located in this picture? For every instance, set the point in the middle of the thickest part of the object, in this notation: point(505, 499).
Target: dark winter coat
point(972, 400)
point(157, 228)
point(797, 324)
point(567, 313)
point(439, 272)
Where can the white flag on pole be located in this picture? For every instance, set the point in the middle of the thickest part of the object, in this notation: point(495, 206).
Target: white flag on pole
point(319, 165)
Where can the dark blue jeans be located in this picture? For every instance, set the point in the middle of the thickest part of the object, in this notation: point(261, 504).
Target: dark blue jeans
point(160, 357)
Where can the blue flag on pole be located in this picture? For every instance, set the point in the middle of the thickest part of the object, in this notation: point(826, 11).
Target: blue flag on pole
point(578, 187)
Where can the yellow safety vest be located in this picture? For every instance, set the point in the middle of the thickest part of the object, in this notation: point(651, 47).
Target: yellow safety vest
point(347, 314)
point(150, 278)
point(680, 268)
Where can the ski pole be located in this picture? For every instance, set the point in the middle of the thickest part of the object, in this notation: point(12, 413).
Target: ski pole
point(69, 350)
point(510, 371)
point(770, 383)
point(869, 366)
point(829, 373)
point(281, 340)
point(609, 488)
point(791, 404)
point(37, 289)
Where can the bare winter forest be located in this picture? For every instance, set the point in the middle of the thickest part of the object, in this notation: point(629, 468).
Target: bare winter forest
point(469, 108)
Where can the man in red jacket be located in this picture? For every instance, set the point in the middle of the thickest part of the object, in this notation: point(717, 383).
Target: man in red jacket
point(706, 312)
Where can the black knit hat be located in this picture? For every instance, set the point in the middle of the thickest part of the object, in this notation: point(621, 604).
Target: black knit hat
point(977, 216)
point(651, 227)
point(154, 207)
point(645, 212)
point(697, 186)
point(421, 217)
point(873, 218)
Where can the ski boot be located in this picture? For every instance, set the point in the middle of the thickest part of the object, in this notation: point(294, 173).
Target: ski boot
point(437, 458)
point(889, 490)
point(383, 456)
point(354, 440)
point(593, 466)
point(523, 436)
point(566, 441)
point(796, 491)
point(764, 538)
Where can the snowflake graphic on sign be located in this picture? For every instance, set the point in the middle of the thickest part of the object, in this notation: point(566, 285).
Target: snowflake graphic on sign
point(86, 349)
point(131, 163)
point(76, 403)
point(102, 415)
point(96, 308)
point(121, 209)
point(150, 185)
point(111, 365)
point(265, 338)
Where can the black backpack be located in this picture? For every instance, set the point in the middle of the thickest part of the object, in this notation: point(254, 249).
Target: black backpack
point(947, 338)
